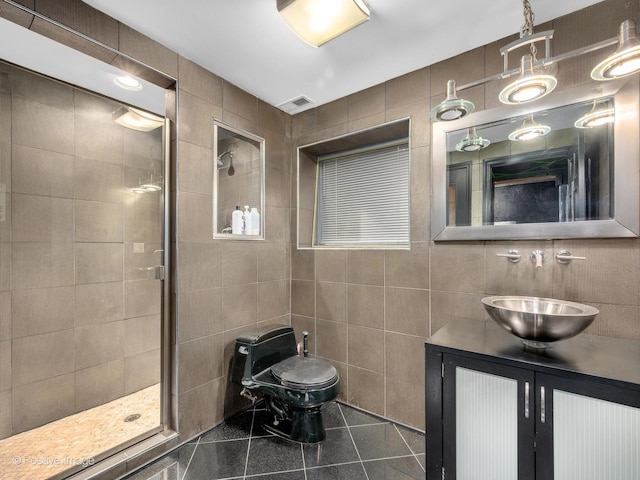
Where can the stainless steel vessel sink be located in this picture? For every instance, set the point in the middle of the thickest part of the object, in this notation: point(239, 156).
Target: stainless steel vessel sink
point(539, 321)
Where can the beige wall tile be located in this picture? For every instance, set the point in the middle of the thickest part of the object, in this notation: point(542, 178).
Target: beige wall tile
point(42, 356)
point(141, 371)
point(364, 348)
point(302, 264)
point(141, 297)
point(147, 51)
point(41, 172)
point(619, 321)
point(193, 209)
point(195, 168)
point(200, 361)
point(239, 102)
point(366, 103)
point(45, 310)
point(365, 306)
point(36, 88)
point(407, 311)
point(40, 265)
point(41, 219)
point(458, 268)
point(42, 402)
point(408, 88)
point(366, 390)
point(41, 126)
point(332, 113)
point(200, 265)
point(277, 224)
point(5, 414)
point(240, 263)
point(5, 316)
point(5, 365)
point(403, 411)
point(331, 265)
point(408, 268)
point(273, 262)
point(446, 305)
point(97, 344)
point(142, 335)
point(277, 188)
point(365, 267)
point(199, 81)
point(98, 262)
point(273, 299)
point(98, 221)
point(199, 313)
point(331, 301)
point(405, 358)
point(332, 340)
point(239, 305)
point(100, 384)
point(98, 181)
point(99, 303)
point(99, 140)
point(195, 119)
point(200, 409)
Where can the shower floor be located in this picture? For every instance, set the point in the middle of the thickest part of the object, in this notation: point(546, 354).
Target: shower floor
point(46, 451)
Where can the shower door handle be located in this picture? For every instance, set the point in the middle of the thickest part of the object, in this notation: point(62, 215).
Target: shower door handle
point(159, 272)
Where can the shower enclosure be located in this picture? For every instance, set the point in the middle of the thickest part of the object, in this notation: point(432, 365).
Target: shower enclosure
point(81, 269)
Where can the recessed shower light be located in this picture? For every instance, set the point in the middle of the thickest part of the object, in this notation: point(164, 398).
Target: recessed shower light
point(128, 83)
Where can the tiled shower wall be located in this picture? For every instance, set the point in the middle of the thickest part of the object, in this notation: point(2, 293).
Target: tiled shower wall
point(80, 321)
point(369, 312)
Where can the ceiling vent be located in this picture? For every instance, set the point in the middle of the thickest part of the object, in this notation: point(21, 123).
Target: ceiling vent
point(295, 105)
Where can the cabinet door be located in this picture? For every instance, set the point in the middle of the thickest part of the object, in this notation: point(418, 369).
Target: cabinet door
point(488, 421)
point(587, 430)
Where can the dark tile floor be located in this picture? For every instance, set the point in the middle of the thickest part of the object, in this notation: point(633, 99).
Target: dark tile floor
point(358, 446)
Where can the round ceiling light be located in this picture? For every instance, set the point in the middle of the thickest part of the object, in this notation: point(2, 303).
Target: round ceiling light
point(596, 117)
point(472, 142)
point(128, 83)
point(529, 86)
point(625, 60)
point(529, 130)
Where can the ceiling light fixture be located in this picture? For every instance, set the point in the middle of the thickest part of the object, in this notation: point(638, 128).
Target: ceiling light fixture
point(472, 142)
point(137, 119)
point(529, 130)
point(625, 60)
point(596, 117)
point(128, 83)
point(529, 86)
point(318, 21)
point(452, 108)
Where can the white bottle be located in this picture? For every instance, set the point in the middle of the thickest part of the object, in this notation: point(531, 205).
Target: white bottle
point(236, 221)
point(246, 220)
point(255, 221)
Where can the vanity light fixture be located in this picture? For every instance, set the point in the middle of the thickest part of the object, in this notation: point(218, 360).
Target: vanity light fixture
point(452, 108)
point(472, 142)
point(625, 60)
point(318, 21)
point(529, 130)
point(596, 117)
point(529, 86)
point(137, 119)
point(128, 83)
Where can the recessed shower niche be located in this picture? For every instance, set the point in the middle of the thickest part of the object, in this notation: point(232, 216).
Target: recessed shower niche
point(238, 183)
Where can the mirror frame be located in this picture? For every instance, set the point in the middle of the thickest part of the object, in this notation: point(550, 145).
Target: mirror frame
point(215, 190)
point(626, 170)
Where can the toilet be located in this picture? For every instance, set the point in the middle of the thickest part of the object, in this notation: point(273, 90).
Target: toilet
point(294, 387)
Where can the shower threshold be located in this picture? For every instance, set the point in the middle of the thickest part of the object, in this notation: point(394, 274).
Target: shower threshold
point(65, 446)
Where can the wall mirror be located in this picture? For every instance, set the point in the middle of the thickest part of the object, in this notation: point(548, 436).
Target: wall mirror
point(563, 167)
point(238, 183)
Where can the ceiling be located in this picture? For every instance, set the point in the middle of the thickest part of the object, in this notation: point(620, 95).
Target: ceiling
point(247, 43)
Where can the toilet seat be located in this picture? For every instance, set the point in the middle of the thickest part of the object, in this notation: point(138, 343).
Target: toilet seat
point(304, 373)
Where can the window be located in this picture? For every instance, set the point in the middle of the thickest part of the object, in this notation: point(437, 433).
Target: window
point(362, 197)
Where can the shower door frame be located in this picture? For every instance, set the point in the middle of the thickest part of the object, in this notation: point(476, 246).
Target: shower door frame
point(166, 430)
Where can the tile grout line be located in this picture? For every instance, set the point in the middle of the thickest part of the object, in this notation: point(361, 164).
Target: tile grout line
point(190, 459)
point(246, 461)
point(409, 446)
point(304, 464)
point(354, 443)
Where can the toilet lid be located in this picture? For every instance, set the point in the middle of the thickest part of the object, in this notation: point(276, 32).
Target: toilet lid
point(304, 372)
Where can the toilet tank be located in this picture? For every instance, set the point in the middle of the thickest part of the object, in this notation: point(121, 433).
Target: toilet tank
point(256, 351)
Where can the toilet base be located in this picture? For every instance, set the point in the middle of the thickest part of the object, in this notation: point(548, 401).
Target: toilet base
point(297, 424)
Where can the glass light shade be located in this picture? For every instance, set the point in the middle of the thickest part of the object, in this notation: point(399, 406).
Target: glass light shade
point(128, 83)
point(625, 60)
point(473, 142)
point(452, 108)
point(137, 119)
point(595, 118)
point(318, 21)
point(529, 86)
point(138, 190)
point(529, 130)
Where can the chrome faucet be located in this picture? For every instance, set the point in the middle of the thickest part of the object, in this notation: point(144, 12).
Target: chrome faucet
point(537, 257)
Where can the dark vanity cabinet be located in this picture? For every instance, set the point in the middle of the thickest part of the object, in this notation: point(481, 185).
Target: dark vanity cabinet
point(495, 411)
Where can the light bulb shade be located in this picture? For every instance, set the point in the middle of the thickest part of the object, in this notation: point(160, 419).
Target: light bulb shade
point(625, 60)
point(596, 117)
point(137, 119)
point(318, 21)
point(529, 86)
point(452, 108)
point(128, 83)
point(472, 142)
point(529, 130)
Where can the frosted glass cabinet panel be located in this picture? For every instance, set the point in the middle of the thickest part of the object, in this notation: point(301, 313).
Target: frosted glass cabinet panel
point(486, 426)
point(594, 439)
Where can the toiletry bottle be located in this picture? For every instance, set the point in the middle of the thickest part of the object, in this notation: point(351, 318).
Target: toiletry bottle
point(255, 221)
point(236, 221)
point(246, 220)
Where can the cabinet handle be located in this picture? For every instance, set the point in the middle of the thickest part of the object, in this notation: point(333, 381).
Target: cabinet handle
point(526, 399)
point(542, 406)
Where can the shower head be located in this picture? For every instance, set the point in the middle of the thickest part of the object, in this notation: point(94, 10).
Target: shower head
point(228, 152)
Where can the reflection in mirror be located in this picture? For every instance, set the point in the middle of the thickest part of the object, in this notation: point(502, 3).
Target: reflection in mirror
point(238, 183)
point(545, 170)
point(556, 173)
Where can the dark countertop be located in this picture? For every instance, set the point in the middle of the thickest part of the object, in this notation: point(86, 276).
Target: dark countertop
point(610, 360)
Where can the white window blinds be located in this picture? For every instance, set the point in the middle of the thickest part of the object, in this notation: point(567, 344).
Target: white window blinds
point(363, 198)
